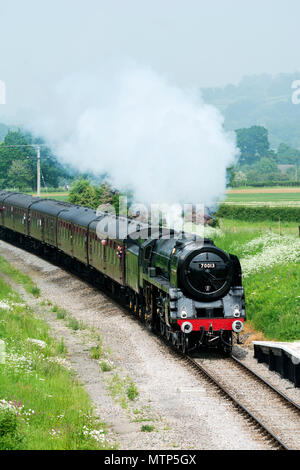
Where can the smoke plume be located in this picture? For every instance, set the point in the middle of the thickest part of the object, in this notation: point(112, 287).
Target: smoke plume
point(159, 140)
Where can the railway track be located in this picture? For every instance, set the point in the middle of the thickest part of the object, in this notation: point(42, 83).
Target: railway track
point(275, 416)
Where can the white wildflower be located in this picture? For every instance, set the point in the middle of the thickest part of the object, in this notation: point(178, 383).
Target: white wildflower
point(97, 434)
point(55, 433)
point(10, 406)
point(18, 362)
point(38, 342)
point(60, 361)
point(212, 232)
point(4, 305)
point(275, 250)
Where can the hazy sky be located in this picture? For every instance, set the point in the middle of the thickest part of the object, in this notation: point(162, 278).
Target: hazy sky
point(115, 79)
point(199, 42)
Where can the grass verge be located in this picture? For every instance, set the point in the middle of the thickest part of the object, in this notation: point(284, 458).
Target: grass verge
point(19, 277)
point(42, 406)
point(273, 302)
point(271, 273)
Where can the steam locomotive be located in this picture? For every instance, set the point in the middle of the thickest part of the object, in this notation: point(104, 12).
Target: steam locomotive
point(182, 286)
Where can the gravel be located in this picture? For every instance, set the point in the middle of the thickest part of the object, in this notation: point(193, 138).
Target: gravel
point(285, 386)
point(262, 401)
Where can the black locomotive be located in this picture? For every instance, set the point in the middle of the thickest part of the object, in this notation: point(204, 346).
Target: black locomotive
point(180, 285)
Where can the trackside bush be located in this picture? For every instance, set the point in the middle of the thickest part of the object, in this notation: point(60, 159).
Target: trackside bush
point(10, 437)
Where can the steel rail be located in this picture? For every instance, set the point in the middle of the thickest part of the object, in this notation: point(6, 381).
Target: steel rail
point(268, 384)
point(273, 437)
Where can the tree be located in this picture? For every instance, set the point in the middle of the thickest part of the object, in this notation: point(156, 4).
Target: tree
point(83, 193)
point(9, 155)
point(230, 172)
point(253, 144)
point(265, 170)
point(20, 175)
point(52, 170)
point(288, 155)
point(266, 166)
point(86, 194)
point(240, 179)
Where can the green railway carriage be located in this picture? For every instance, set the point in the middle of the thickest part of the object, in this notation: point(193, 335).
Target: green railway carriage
point(37, 225)
point(73, 231)
point(97, 250)
point(47, 212)
point(15, 211)
point(4, 195)
point(107, 250)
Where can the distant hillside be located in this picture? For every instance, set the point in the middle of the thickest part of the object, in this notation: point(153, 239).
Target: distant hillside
point(261, 100)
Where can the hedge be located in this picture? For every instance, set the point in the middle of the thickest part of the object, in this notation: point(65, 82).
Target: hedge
point(267, 184)
point(253, 214)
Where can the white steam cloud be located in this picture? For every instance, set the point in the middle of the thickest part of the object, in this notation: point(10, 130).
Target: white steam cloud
point(158, 139)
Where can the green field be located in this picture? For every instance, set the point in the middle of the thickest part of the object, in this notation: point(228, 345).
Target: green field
point(59, 196)
point(271, 273)
point(265, 198)
point(261, 196)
